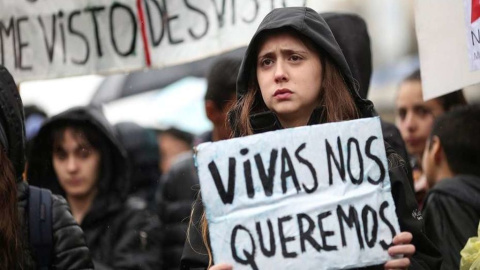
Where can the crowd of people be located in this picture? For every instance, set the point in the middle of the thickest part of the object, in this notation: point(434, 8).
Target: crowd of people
point(124, 197)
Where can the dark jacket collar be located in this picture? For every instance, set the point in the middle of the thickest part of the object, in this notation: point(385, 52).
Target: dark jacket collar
point(268, 121)
point(465, 188)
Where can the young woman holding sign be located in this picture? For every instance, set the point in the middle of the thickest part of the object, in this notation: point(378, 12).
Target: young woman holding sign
point(295, 74)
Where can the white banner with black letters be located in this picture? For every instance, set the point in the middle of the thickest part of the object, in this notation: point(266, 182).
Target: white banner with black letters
point(315, 197)
point(41, 39)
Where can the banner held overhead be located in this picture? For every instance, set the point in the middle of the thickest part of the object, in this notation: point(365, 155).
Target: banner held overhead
point(57, 38)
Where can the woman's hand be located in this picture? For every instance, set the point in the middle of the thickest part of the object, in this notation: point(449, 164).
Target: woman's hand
point(401, 249)
point(221, 266)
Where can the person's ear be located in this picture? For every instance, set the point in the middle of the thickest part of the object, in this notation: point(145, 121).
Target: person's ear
point(436, 149)
point(211, 110)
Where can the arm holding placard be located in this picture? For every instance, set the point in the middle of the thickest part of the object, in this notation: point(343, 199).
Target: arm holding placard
point(426, 255)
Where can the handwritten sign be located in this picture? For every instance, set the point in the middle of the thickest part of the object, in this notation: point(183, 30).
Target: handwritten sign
point(448, 34)
point(315, 197)
point(472, 22)
point(57, 38)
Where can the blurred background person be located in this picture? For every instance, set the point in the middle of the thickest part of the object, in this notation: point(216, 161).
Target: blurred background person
point(172, 142)
point(68, 249)
point(451, 163)
point(76, 154)
point(414, 118)
point(143, 156)
point(34, 118)
point(179, 186)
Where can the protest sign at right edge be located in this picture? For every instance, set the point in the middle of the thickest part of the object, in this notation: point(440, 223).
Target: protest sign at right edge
point(448, 43)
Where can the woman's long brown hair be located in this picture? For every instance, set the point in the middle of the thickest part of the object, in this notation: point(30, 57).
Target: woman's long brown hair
point(335, 97)
point(10, 231)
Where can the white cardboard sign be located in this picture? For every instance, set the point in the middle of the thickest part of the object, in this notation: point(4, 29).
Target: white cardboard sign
point(41, 39)
point(448, 35)
point(315, 197)
point(56, 38)
point(472, 23)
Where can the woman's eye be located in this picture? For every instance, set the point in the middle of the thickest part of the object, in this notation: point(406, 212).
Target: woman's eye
point(60, 155)
point(423, 111)
point(401, 113)
point(84, 153)
point(266, 62)
point(295, 58)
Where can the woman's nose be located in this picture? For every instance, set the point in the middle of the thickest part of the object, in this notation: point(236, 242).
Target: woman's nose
point(280, 72)
point(72, 164)
point(410, 122)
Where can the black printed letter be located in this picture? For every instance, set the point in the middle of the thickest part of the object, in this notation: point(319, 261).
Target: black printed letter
point(226, 196)
point(339, 164)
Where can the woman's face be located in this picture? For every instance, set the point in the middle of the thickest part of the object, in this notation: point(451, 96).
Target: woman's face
point(76, 164)
point(414, 117)
point(290, 77)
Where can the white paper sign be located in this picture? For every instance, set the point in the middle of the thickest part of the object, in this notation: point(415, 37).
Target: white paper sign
point(448, 45)
point(472, 22)
point(57, 38)
point(315, 197)
point(41, 39)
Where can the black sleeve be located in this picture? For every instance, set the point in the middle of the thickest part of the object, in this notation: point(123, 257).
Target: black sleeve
point(138, 244)
point(175, 197)
point(195, 254)
point(410, 218)
point(449, 224)
point(69, 246)
point(392, 136)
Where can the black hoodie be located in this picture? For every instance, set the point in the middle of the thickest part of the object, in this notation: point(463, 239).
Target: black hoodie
point(118, 236)
point(143, 155)
point(452, 213)
point(310, 24)
point(69, 250)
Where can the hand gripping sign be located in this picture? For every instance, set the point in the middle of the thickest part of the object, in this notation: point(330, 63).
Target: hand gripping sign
point(315, 197)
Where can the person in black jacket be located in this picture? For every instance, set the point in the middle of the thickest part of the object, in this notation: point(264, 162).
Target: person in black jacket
point(451, 162)
point(142, 150)
point(294, 74)
point(179, 187)
point(76, 154)
point(69, 250)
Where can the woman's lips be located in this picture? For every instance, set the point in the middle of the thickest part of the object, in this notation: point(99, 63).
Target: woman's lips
point(413, 141)
point(282, 94)
point(75, 181)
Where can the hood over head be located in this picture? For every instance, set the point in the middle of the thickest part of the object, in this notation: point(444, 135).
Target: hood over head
point(142, 150)
point(352, 36)
point(312, 25)
point(113, 180)
point(12, 131)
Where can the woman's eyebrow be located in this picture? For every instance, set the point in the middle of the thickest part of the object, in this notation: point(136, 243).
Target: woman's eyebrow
point(282, 51)
point(264, 54)
point(291, 51)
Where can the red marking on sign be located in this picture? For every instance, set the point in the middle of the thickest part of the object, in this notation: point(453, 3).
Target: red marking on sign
point(475, 10)
point(141, 17)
